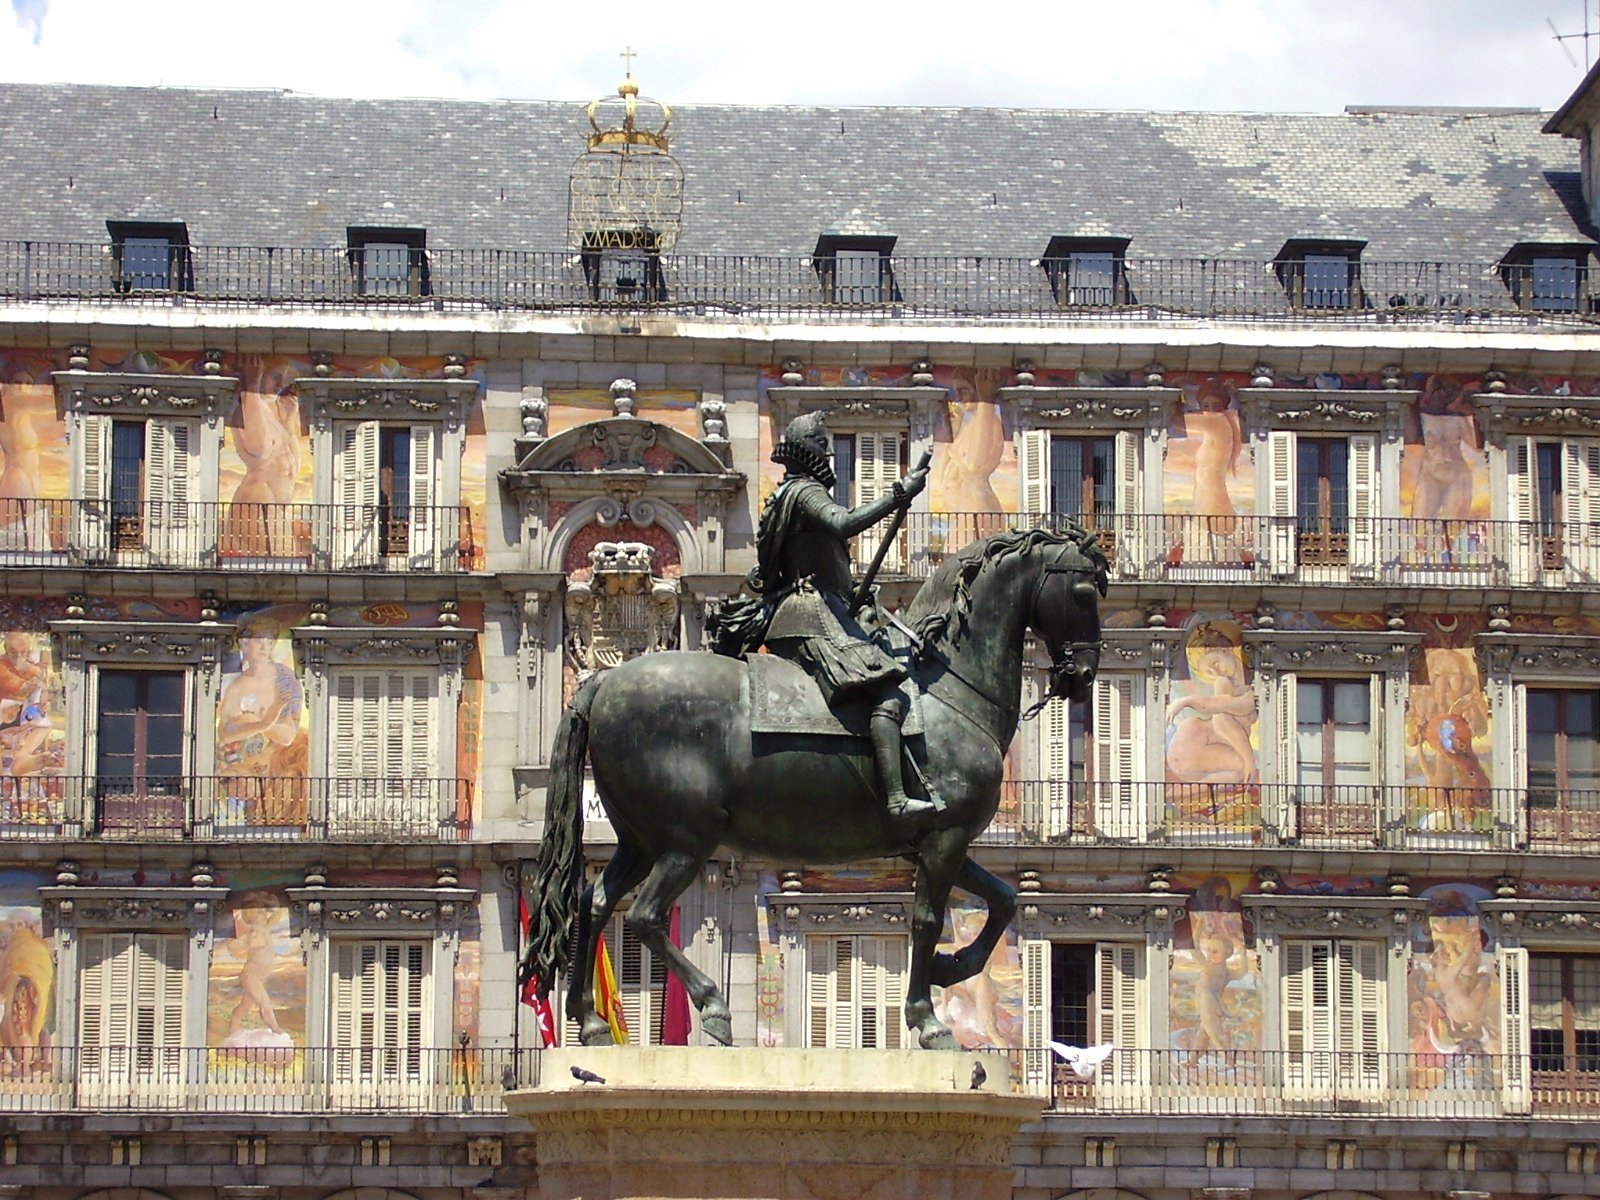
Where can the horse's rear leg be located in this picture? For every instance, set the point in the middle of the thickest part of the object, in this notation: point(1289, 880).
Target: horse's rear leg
point(1001, 901)
point(938, 859)
point(622, 874)
point(650, 917)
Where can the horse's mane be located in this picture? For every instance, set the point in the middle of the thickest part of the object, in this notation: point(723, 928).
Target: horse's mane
point(941, 606)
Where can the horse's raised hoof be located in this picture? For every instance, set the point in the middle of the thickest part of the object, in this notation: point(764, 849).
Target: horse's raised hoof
point(718, 1027)
point(596, 1031)
point(937, 1039)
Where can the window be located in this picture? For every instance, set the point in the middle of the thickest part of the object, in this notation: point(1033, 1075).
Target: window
point(855, 270)
point(855, 991)
point(866, 466)
point(380, 1019)
point(1067, 731)
point(151, 256)
point(384, 476)
point(130, 1016)
point(382, 751)
point(1322, 498)
point(1564, 1020)
point(1090, 754)
point(1327, 758)
point(623, 266)
point(1086, 994)
point(1322, 469)
point(1333, 1018)
point(138, 482)
point(139, 751)
point(1563, 754)
point(1321, 274)
point(1547, 278)
point(1555, 499)
point(1087, 272)
point(389, 262)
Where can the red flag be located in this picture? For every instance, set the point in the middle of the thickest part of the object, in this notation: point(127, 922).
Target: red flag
point(544, 1019)
point(675, 1007)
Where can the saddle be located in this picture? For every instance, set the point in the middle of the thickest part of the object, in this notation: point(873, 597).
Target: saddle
point(784, 699)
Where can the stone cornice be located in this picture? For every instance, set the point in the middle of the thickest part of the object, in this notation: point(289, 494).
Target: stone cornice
point(1376, 916)
point(139, 394)
point(410, 400)
point(1102, 916)
point(1092, 408)
point(1536, 655)
point(1546, 920)
point(78, 906)
point(855, 406)
point(1550, 416)
point(323, 645)
point(1319, 410)
point(1332, 650)
point(142, 641)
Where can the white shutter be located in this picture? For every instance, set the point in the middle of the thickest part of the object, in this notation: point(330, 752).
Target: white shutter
point(1527, 562)
point(92, 527)
point(1119, 810)
point(1510, 812)
point(381, 750)
point(1359, 1018)
point(1119, 1019)
point(1056, 755)
point(423, 531)
point(1037, 1067)
point(1033, 463)
point(877, 470)
point(880, 1000)
point(822, 984)
point(1288, 792)
point(1281, 501)
point(171, 489)
point(355, 491)
point(1127, 524)
point(1515, 1088)
point(1363, 560)
point(855, 990)
point(379, 1020)
point(1307, 1018)
point(131, 1000)
point(1580, 489)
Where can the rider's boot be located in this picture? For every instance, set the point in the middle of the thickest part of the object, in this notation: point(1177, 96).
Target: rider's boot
point(886, 749)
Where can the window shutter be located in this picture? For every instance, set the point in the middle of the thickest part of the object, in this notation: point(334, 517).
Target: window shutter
point(131, 997)
point(1363, 505)
point(1118, 799)
point(170, 490)
point(1127, 524)
point(843, 999)
point(1515, 1091)
point(1119, 997)
point(355, 491)
point(854, 991)
point(1359, 1015)
point(1281, 501)
point(1057, 759)
point(1287, 717)
point(1526, 534)
point(92, 532)
point(1037, 1068)
point(821, 985)
point(1307, 1015)
point(1510, 813)
point(881, 972)
point(105, 1015)
point(1033, 462)
point(424, 496)
point(1580, 491)
point(379, 1018)
point(877, 470)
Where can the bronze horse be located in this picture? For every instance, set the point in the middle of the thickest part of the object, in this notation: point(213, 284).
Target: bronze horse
point(680, 774)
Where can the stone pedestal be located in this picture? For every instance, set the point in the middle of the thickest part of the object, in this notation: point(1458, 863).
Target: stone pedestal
point(694, 1123)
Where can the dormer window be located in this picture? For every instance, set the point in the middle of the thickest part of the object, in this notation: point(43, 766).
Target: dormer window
point(1546, 277)
point(1087, 272)
point(623, 266)
point(1321, 274)
point(389, 262)
point(151, 256)
point(855, 269)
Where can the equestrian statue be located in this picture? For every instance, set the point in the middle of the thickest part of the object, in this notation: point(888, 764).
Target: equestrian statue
point(859, 735)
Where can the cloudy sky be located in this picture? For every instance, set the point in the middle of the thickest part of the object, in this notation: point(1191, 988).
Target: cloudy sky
point(1280, 55)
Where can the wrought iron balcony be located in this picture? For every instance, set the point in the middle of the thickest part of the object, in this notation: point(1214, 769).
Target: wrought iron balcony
point(213, 808)
point(1051, 812)
point(747, 287)
point(182, 535)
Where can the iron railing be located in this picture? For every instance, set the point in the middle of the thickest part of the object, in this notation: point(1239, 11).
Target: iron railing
point(1060, 812)
point(746, 287)
point(236, 807)
point(212, 535)
point(1347, 552)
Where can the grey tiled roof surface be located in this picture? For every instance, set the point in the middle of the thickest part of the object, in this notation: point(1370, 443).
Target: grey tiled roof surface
point(282, 169)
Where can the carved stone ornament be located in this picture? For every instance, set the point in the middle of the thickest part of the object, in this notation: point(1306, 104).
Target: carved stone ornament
point(1501, 414)
point(319, 909)
point(1537, 656)
point(444, 400)
point(1317, 410)
point(1093, 408)
point(141, 395)
point(124, 907)
point(623, 611)
point(168, 643)
point(1102, 915)
point(323, 645)
point(865, 406)
point(1377, 650)
point(796, 913)
point(1378, 916)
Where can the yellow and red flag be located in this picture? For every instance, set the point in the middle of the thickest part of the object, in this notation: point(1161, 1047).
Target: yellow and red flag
point(607, 996)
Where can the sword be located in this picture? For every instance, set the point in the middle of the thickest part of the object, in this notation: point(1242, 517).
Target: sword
point(888, 540)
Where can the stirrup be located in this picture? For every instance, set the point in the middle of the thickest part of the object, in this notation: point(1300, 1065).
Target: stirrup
point(911, 807)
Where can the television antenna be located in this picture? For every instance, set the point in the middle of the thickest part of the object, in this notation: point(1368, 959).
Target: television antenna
point(1561, 39)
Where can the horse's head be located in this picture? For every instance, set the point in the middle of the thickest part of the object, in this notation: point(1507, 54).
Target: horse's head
point(1066, 612)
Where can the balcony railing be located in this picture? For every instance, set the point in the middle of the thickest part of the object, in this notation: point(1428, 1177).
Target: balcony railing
point(212, 535)
point(236, 807)
point(1281, 1083)
point(748, 287)
point(1355, 552)
point(1055, 812)
point(258, 1079)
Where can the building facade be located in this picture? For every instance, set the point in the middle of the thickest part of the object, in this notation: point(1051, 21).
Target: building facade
point(341, 439)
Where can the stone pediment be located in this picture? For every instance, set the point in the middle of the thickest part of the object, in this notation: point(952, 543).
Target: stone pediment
point(618, 443)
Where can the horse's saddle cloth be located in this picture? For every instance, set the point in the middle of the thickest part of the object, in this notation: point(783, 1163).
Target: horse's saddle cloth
point(784, 699)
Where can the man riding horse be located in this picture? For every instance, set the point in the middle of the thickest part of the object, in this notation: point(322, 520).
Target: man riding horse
point(808, 600)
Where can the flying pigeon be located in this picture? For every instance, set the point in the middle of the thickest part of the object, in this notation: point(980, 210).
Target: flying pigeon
point(978, 1075)
point(583, 1076)
point(1084, 1062)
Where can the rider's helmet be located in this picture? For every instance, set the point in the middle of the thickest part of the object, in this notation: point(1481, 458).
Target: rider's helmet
point(805, 448)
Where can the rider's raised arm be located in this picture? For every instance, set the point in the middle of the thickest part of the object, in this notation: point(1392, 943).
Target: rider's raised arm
point(819, 506)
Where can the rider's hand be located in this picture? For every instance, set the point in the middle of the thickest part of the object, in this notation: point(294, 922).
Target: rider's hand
point(914, 482)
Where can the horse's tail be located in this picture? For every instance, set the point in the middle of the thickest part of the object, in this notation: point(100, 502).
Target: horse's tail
point(560, 874)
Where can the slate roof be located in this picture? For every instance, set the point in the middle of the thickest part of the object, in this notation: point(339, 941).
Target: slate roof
point(283, 169)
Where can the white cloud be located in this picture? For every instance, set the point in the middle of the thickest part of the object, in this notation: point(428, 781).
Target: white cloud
point(1283, 55)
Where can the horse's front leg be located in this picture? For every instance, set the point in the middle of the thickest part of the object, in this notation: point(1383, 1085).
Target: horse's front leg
point(1000, 899)
point(622, 875)
point(651, 916)
point(939, 860)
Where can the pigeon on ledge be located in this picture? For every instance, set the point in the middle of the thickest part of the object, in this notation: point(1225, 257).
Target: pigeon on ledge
point(978, 1075)
point(583, 1076)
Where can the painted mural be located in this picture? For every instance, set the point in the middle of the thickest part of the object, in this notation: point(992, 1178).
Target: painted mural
point(676, 408)
point(1447, 733)
point(27, 978)
point(32, 716)
point(263, 728)
point(985, 1011)
point(256, 998)
point(1452, 992)
point(1208, 476)
point(1214, 985)
point(1210, 731)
